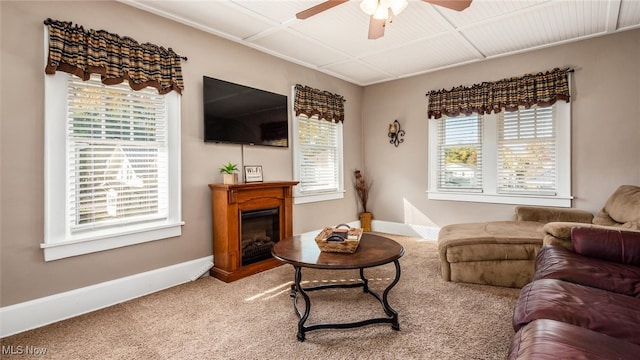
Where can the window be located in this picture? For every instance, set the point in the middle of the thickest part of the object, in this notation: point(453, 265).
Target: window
point(460, 153)
point(317, 148)
point(527, 152)
point(516, 157)
point(112, 166)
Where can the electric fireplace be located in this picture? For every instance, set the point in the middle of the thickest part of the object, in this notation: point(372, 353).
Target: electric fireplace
point(248, 219)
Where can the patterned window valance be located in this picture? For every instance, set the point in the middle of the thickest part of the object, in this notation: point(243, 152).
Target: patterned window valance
point(541, 89)
point(310, 102)
point(81, 52)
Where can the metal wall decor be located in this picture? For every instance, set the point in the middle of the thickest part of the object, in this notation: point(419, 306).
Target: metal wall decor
point(395, 133)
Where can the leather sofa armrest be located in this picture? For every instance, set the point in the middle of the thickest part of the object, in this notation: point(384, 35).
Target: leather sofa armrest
point(546, 215)
point(607, 244)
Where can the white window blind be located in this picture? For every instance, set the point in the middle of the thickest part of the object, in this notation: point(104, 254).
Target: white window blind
point(318, 155)
point(460, 153)
point(527, 152)
point(117, 155)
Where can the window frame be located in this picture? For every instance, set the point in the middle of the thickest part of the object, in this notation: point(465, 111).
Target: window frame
point(59, 242)
point(490, 194)
point(301, 197)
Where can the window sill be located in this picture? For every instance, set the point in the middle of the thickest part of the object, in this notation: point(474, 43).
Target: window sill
point(557, 201)
point(306, 198)
point(65, 249)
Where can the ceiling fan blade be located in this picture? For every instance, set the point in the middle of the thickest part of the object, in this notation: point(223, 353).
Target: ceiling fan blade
point(457, 5)
point(318, 8)
point(376, 28)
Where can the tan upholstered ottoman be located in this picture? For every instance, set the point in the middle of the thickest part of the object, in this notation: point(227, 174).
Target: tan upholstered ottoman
point(500, 253)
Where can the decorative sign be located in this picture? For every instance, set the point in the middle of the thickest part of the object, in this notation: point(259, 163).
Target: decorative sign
point(253, 173)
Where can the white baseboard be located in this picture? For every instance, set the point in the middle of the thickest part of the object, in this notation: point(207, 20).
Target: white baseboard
point(421, 231)
point(40, 312)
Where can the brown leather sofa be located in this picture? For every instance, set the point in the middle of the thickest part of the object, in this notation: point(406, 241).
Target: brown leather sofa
point(583, 302)
point(551, 339)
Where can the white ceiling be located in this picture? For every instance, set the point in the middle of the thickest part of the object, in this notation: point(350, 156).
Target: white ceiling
point(422, 39)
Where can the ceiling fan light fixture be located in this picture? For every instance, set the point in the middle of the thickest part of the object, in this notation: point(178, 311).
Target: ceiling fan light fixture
point(382, 11)
point(369, 6)
point(379, 9)
point(397, 6)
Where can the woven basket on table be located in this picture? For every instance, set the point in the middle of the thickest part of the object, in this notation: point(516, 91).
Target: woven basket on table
point(338, 240)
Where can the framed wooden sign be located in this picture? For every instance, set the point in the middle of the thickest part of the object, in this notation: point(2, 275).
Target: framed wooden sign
point(253, 173)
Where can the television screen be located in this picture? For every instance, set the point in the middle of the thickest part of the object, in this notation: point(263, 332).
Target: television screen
point(240, 114)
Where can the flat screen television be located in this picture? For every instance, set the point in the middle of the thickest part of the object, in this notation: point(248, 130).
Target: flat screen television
point(239, 114)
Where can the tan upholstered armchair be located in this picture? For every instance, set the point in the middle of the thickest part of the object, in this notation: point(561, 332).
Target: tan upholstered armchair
point(621, 211)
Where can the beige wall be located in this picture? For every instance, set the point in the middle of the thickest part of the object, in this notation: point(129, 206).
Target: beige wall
point(604, 143)
point(24, 275)
point(605, 128)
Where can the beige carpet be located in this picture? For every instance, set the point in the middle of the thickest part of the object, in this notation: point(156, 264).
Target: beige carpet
point(253, 318)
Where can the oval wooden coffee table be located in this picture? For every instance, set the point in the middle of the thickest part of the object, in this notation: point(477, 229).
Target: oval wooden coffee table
point(373, 250)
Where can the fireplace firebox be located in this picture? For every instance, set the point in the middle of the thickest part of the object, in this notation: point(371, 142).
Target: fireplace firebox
point(259, 230)
point(248, 219)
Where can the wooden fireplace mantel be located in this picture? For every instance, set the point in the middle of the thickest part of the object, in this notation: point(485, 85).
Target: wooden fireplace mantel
point(228, 203)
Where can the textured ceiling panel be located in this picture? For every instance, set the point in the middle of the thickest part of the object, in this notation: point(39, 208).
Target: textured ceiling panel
point(358, 71)
point(293, 46)
point(629, 14)
point(487, 10)
point(277, 11)
point(212, 16)
point(423, 38)
point(424, 55)
point(539, 26)
point(418, 20)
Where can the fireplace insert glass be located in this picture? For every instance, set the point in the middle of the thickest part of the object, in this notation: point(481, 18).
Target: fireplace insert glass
point(260, 230)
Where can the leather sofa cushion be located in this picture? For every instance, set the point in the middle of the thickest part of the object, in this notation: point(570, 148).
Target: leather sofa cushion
point(557, 262)
point(605, 312)
point(549, 339)
point(607, 244)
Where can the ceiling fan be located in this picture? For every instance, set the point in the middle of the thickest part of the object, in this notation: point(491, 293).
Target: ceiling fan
point(380, 11)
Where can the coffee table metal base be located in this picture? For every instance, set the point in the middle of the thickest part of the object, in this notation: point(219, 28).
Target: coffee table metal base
point(296, 288)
